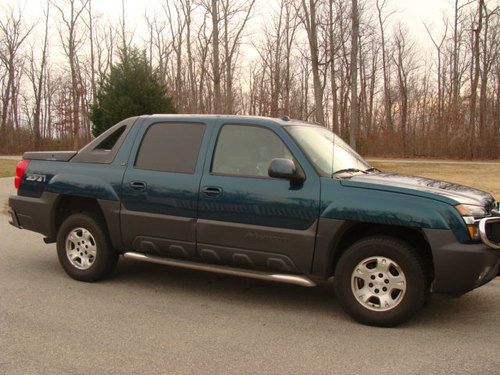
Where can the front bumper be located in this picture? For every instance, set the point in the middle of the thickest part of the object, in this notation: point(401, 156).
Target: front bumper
point(458, 267)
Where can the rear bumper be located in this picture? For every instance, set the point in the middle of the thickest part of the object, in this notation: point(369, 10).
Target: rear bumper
point(35, 214)
point(458, 267)
point(13, 219)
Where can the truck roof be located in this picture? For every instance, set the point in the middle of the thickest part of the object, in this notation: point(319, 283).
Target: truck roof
point(284, 120)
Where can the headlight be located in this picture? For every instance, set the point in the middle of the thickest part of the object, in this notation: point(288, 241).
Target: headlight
point(469, 214)
point(470, 210)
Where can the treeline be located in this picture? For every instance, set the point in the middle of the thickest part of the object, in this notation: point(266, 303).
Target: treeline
point(349, 65)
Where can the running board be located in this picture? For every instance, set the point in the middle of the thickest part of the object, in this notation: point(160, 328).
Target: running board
point(283, 278)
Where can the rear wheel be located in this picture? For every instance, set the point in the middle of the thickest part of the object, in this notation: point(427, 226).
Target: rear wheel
point(381, 281)
point(84, 249)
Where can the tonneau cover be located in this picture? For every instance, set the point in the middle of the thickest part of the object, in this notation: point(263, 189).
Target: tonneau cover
point(49, 155)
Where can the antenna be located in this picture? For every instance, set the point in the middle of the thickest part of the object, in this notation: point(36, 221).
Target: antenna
point(333, 150)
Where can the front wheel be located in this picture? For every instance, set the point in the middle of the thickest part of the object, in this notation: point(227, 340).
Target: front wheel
point(381, 281)
point(84, 249)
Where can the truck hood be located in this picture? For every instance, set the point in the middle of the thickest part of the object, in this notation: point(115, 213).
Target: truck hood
point(423, 187)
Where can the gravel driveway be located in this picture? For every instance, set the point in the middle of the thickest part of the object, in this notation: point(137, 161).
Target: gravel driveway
point(151, 319)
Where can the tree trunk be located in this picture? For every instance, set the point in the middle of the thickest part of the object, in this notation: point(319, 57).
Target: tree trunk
point(215, 56)
point(312, 29)
point(354, 120)
point(475, 76)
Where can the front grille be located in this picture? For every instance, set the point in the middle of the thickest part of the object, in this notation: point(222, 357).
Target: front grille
point(493, 231)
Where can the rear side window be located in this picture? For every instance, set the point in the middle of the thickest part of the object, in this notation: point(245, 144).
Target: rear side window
point(171, 147)
point(110, 141)
point(247, 151)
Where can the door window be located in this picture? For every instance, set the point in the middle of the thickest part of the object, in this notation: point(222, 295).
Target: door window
point(247, 151)
point(171, 147)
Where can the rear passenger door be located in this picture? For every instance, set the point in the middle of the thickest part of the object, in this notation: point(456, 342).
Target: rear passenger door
point(160, 188)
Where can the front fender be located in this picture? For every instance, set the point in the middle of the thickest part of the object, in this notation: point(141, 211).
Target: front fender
point(388, 208)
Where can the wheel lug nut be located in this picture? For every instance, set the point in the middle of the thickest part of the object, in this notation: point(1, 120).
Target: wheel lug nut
point(376, 290)
point(384, 289)
point(380, 275)
point(386, 281)
point(370, 285)
point(372, 277)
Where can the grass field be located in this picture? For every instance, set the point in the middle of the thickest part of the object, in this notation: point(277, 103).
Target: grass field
point(7, 168)
point(481, 176)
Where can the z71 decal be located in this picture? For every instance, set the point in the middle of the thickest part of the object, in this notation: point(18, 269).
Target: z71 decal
point(35, 177)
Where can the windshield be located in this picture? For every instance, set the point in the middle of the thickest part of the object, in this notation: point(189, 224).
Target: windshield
point(328, 152)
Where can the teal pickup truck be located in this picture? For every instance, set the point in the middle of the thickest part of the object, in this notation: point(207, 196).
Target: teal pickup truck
point(271, 199)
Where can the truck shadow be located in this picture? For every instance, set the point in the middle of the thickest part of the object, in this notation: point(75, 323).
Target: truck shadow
point(319, 302)
point(214, 287)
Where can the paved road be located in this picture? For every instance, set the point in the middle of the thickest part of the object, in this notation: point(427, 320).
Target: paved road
point(151, 319)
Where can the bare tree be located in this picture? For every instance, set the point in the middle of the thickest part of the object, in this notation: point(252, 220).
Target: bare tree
point(382, 19)
point(475, 68)
point(310, 22)
point(354, 123)
point(312, 59)
point(71, 44)
point(404, 60)
point(438, 44)
point(13, 33)
point(37, 78)
point(214, 12)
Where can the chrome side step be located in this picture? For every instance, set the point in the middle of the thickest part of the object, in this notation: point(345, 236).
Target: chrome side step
point(279, 277)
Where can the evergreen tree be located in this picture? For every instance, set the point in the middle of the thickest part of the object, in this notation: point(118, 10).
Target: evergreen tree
point(132, 88)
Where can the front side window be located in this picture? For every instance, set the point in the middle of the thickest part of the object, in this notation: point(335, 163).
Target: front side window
point(171, 147)
point(247, 151)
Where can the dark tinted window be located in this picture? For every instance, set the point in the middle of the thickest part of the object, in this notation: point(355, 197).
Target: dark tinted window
point(111, 140)
point(247, 151)
point(171, 147)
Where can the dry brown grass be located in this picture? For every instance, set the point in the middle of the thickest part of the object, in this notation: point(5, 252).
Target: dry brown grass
point(481, 176)
point(7, 168)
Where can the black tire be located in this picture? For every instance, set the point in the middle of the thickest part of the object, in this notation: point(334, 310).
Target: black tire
point(106, 257)
point(410, 263)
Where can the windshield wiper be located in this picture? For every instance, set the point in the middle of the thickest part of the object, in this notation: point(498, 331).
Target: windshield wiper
point(348, 170)
point(372, 169)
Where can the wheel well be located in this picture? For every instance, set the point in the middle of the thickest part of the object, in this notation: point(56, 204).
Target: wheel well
point(70, 203)
point(411, 236)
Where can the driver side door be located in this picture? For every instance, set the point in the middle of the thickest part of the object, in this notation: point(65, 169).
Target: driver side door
point(248, 219)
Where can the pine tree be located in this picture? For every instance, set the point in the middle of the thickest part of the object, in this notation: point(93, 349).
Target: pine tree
point(132, 88)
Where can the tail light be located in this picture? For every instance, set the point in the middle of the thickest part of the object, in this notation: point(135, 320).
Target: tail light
point(20, 169)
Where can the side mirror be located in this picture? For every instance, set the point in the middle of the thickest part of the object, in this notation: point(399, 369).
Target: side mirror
point(285, 169)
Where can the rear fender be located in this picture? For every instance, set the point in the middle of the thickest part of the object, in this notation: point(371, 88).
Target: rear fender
point(82, 185)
